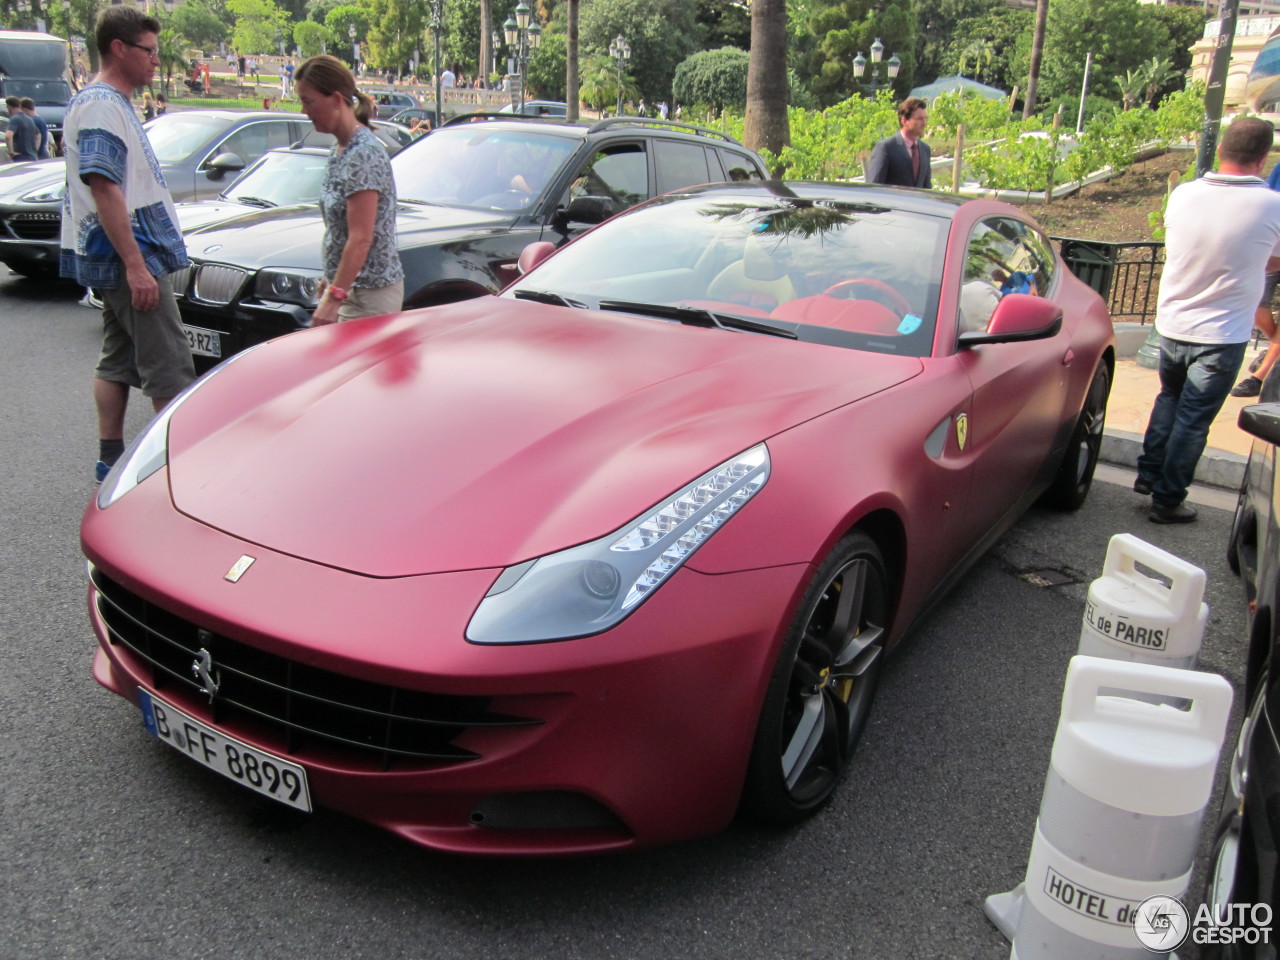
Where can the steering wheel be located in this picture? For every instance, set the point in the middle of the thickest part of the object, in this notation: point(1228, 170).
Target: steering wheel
point(894, 299)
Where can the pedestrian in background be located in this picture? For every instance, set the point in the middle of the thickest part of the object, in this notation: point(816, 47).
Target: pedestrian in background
point(902, 160)
point(1222, 233)
point(28, 107)
point(162, 104)
point(148, 107)
point(362, 271)
point(120, 234)
point(21, 138)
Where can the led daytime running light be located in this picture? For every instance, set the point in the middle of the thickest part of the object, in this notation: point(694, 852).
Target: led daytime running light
point(690, 517)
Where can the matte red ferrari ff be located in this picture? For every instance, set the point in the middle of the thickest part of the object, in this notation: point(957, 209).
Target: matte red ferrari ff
point(604, 560)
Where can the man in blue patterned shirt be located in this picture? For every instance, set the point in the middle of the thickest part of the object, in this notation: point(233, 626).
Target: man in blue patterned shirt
point(119, 231)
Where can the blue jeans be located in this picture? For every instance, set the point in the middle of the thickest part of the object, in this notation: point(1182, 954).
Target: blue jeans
point(1195, 379)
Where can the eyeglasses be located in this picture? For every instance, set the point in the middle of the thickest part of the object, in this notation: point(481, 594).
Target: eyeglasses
point(152, 52)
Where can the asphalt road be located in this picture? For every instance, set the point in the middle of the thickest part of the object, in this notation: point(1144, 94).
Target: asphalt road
point(113, 846)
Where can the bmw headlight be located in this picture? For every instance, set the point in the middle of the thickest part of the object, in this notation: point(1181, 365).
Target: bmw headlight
point(49, 193)
point(591, 587)
point(292, 285)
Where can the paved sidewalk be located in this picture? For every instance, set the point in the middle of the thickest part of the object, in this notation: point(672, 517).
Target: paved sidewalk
point(1132, 394)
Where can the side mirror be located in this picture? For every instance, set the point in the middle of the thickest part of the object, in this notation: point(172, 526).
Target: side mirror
point(1261, 420)
point(1018, 317)
point(585, 210)
point(534, 254)
point(224, 163)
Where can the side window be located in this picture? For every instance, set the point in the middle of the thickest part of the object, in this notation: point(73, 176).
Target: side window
point(997, 262)
point(737, 167)
point(1041, 253)
point(620, 173)
point(252, 141)
point(680, 164)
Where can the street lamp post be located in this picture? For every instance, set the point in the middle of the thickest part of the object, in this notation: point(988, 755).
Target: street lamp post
point(495, 41)
point(524, 34)
point(620, 50)
point(355, 47)
point(890, 71)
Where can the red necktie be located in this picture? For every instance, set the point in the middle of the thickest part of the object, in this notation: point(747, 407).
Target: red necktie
point(915, 162)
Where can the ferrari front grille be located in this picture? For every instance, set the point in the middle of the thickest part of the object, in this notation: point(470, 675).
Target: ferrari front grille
point(297, 705)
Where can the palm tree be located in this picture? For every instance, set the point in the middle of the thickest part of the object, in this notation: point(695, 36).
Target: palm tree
point(173, 55)
point(767, 124)
point(1156, 73)
point(1131, 86)
point(980, 52)
point(1037, 54)
point(571, 62)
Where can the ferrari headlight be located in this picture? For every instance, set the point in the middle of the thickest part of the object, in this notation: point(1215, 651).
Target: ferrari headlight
point(49, 193)
point(591, 587)
point(150, 449)
point(293, 285)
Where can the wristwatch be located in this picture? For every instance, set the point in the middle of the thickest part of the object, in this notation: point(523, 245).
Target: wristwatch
point(336, 293)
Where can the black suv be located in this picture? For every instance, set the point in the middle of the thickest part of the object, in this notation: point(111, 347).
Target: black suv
point(471, 197)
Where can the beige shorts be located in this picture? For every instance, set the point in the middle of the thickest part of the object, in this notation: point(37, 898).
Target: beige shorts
point(147, 350)
point(372, 302)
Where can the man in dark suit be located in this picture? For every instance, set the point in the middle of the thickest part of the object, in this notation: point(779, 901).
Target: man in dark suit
point(903, 159)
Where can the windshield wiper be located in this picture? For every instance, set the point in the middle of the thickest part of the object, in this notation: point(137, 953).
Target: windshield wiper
point(255, 202)
point(697, 317)
point(544, 296)
point(420, 203)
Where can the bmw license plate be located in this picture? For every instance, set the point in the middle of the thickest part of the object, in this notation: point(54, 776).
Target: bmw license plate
point(261, 772)
point(205, 343)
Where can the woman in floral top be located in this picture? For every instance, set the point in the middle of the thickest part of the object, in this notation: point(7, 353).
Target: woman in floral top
point(363, 276)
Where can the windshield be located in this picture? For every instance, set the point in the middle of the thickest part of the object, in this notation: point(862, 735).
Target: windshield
point(851, 274)
point(176, 136)
point(46, 93)
point(281, 180)
point(474, 165)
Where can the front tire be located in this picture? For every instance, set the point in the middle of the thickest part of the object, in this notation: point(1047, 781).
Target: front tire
point(822, 686)
point(1071, 486)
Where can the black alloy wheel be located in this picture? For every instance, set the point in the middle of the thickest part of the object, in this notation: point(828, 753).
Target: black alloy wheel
point(1071, 486)
point(822, 686)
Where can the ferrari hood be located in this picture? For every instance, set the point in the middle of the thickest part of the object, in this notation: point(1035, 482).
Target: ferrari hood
point(485, 433)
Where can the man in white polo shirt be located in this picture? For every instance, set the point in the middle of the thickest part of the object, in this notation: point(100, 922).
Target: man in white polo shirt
point(1222, 235)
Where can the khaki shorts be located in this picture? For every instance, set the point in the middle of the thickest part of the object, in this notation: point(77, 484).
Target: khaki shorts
point(371, 302)
point(147, 350)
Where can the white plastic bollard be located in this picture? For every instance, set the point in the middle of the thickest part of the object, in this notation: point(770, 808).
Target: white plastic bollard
point(1131, 616)
point(1121, 811)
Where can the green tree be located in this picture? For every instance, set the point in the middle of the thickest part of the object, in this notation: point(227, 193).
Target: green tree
point(546, 70)
point(848, 27)
point(715, 78)
point(661, 34)
point(258, 25)
point(311, 38)
point(201, 26)
point(1185, 25)
point(340, 20)
point(724, 23)
point(395, 31)
point(1007, 33)
point(1119, 34)
point(935, 33)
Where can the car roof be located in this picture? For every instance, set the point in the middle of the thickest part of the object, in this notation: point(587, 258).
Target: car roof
point(585, 128)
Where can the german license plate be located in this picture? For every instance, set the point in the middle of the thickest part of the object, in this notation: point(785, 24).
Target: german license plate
point(261, 772)
point(205, 343)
